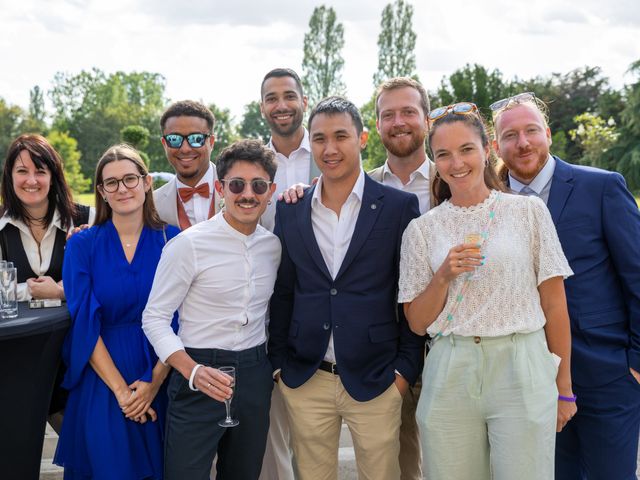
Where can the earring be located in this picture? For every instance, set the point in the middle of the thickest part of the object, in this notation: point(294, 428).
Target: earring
point(269, 202)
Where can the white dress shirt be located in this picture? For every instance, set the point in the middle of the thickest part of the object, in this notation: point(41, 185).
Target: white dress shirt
point(197, 208)
point(39, 259)
point(418, 183)
point(295, 168)
point(333, 233)
point(220, 281)
point(540, 186)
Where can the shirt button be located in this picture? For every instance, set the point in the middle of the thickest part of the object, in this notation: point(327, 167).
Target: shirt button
point(333, 291)
point(477, 339)
point(326, 326)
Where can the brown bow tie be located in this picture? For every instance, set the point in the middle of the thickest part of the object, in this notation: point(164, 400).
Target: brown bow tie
point(187, 193)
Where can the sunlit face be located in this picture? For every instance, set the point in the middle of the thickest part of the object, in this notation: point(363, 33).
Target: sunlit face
point(31, 183)
point(189, 163)
point(336, 146)
point(124, 201)
point(282, 105)
point(522, 141)
point(460, 157)
point(401, 122)
point(243, 210)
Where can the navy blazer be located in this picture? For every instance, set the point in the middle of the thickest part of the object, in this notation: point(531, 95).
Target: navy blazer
point(370, 333)
point(598, 224)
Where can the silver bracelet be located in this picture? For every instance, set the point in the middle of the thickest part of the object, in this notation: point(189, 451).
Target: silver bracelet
point(193, 376)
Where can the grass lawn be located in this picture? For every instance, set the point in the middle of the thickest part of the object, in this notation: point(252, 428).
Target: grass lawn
point(85, 199)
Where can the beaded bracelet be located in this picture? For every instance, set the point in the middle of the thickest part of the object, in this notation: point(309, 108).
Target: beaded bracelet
point(571, 399)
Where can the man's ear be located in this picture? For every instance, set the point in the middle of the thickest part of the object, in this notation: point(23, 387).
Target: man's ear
point(218, 186)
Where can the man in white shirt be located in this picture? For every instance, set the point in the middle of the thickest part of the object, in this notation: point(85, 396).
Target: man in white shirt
point(219, 276)
point(283, 105)
point(187, 138)
point(402, 111)
point(340, 347)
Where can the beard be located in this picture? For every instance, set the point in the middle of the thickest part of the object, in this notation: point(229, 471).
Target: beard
point(395, 148)
point(296, 122)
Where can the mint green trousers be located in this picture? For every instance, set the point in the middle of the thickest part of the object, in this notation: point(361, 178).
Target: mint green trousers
point(488, 408)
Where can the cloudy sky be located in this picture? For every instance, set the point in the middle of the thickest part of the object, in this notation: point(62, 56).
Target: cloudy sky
point(218, 51)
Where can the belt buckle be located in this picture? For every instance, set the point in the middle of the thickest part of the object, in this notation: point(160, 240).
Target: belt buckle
point(333, 368)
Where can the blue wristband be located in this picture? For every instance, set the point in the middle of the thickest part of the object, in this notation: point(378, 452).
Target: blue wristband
point(571, 399)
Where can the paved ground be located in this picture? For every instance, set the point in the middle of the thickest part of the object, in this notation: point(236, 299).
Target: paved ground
point(347, 467)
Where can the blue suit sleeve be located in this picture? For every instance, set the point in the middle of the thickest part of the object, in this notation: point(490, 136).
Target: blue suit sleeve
point(84, 308)
point(621, 225)
point(410, 359)
point(281, 306)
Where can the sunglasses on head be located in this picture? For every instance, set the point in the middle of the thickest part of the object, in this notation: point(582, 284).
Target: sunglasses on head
point(236, 185)
point(462, 108)
point(195, 140)
point(519, 98)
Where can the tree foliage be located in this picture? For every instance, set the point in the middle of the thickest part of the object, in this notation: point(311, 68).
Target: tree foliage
point(10, 116)
point(396, 43)
point(322, 63)
point(224, 129)
point(375, 154)
point(253, 125)
point(67, 148)
point(595, 136)
point(94, 107)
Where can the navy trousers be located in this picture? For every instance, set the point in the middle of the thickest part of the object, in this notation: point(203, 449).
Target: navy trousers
point(601, 441)
point(193, 437)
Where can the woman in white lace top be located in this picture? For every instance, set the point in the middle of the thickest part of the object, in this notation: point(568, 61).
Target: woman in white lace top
point(489, 405)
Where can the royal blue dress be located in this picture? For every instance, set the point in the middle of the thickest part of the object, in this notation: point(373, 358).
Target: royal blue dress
point(106, 297)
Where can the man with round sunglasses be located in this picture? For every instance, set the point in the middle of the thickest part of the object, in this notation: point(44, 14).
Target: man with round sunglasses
point(187, 138)
point(219, 276)
point(598, 225)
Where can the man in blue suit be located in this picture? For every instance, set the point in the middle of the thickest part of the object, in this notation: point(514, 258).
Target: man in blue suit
point(598, 223)
point(340, 346)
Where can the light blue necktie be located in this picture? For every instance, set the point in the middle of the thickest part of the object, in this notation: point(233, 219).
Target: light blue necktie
point(528, 191)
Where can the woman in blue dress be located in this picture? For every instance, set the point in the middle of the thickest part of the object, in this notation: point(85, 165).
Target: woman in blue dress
point(113, 426)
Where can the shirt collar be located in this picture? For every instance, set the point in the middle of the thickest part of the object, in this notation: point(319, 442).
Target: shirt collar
point(357, 192)
point(539, 182)
point(206, 178)
point(304, 144)
point(423, 170)
point(56, 222)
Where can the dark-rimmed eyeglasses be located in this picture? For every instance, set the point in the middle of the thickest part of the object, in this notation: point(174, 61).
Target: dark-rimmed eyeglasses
point(195, 139)
point(236, 185)
point(130, 181)
point(519, 98)
point(462, 108)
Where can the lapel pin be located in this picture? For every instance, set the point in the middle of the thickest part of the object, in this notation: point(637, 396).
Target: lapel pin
point(373, 206)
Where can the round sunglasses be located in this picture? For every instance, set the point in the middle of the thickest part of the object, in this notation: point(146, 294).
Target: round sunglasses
point(236, 185)
point(462, 108)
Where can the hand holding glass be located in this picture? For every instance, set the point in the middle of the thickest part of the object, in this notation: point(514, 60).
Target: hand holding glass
point(229, 422)
point(478, 239)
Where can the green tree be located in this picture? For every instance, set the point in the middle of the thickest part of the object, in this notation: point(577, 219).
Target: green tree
point(375, 154)
point(595, 136)
point(224, 130)
point(396, 43)
point(626, 152)
point(67, 147)
point(138, 137)
point(35, 119)
point(253, 125)
point(10, 116)
point(472, 83)
point(322, 63)
point(93, 107)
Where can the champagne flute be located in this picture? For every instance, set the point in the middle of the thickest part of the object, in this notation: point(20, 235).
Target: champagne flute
point(229, 422)
point(478, 239)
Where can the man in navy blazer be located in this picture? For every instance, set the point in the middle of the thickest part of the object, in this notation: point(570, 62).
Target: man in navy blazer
point(340, 346)
point(598, 224)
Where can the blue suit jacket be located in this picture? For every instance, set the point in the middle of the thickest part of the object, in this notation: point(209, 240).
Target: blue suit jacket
point(371, 335)
point(598, 223)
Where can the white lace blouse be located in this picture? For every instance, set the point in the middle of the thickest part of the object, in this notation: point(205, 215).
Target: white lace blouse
point(522, 250)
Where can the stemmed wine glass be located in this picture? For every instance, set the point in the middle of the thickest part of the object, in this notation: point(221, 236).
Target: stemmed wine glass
point(229, 422)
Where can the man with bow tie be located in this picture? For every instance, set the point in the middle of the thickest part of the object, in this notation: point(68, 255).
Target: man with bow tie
point(187, 138)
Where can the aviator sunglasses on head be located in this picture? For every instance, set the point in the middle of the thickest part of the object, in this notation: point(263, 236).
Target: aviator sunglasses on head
point(462, 108)
point(519, 98)
point(195, 140)
point(236, 185)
